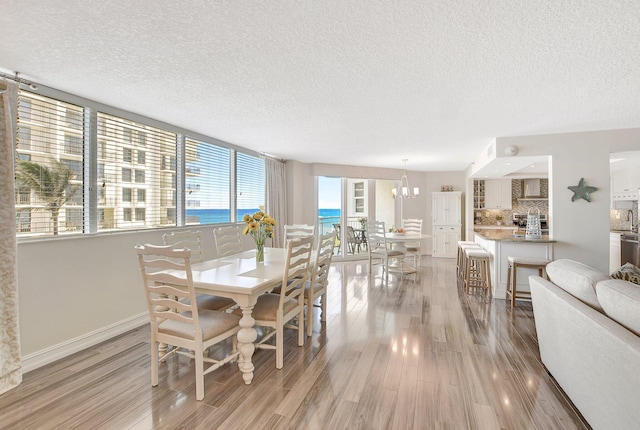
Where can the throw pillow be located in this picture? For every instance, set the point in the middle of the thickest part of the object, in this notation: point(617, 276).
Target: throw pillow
point(628, 272)
point(621, 302)
point(577, 279)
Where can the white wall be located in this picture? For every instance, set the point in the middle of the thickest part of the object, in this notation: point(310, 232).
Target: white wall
point(71, 287)
point(383, 210)
point(581, 228)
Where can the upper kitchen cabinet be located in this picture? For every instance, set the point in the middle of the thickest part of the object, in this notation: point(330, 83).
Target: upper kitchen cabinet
point(625, 184)
point(625, 176)
point(497, 194)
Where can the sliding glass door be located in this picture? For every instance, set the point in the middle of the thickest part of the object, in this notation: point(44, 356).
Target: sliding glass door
point(346, 204)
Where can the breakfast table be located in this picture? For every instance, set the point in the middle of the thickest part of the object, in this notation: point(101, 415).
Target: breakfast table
point(398, 240)
point(242, 279)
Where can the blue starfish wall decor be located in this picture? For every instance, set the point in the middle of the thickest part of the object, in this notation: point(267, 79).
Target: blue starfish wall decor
point(582, 191)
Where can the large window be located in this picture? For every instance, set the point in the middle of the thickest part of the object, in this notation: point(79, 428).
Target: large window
point(250, 191)
point(207, 183)
point(49, 167)
point(137, 168)
point(120, 139)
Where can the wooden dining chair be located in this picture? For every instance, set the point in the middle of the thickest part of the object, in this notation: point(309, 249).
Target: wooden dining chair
point(295, 231)
point(192, 240)
point(175, 321)
point(276, 311)
point(412, 249)
point(379, 250)
point(316, 286)
point(228, 240)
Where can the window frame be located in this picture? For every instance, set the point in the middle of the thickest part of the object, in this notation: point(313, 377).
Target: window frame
point(90, 181)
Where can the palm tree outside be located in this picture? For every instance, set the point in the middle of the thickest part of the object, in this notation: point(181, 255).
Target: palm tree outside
point(52, 184)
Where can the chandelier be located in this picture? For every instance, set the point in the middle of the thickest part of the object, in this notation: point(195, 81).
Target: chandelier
point(405, 191)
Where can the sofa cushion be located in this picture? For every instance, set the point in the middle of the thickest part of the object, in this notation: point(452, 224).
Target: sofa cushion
point(628, 272)
point(577, 279)
point(621, 302)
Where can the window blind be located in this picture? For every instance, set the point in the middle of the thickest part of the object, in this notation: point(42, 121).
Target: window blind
point(49, 167)
point(136, 175)
point(206, 183)
point(250, 184)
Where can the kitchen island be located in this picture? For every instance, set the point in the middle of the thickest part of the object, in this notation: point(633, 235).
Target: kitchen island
point(509, 243)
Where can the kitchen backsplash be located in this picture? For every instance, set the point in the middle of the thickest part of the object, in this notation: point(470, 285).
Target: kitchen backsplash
point(488, 216)
point(621, 219)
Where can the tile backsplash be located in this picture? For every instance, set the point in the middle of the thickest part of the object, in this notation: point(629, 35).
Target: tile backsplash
point(621, 219)
point(488, 216)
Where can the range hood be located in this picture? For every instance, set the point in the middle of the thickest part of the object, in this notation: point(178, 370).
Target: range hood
point(531, 190)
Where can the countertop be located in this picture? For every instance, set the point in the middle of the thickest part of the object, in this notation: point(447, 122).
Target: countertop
point(507, 236)
point(627, 232)
point(494, 227)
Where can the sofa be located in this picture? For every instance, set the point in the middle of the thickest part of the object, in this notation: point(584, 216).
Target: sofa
point(588, 327)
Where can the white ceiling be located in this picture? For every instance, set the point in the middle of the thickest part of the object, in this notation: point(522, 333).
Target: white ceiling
point(362, 82)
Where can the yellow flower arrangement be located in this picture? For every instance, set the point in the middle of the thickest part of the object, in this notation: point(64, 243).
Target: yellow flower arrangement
point(260, 227)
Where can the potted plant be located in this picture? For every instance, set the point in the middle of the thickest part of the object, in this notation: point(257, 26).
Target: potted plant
point(499, 220)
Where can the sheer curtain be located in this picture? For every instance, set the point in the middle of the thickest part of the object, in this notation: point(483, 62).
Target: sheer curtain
point(276, 187)
point(10, 369)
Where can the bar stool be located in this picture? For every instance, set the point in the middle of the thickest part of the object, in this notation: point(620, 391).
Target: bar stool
point(522, 262)
point(477, 274)
point(461, 259)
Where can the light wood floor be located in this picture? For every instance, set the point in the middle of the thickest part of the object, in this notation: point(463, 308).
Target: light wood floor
point(419, 354)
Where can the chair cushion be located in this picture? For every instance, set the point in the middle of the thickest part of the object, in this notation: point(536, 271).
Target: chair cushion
point(267, 305)
point(473, 252)
point(528, 260)
point(628, 272)
point(621, 302)
point(577, 279)
point(389, 253)
point(213, 303)
point(212, 324)
point(317, 287)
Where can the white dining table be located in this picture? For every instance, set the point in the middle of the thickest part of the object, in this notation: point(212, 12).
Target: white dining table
point(241, 278)
point(398, 240)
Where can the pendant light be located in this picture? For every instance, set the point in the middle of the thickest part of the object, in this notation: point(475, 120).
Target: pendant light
point(405, 191)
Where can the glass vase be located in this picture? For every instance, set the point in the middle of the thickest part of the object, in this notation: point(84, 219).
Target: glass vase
point(259, 253)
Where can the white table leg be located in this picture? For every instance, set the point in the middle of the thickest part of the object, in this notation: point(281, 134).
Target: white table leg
point(246, 338)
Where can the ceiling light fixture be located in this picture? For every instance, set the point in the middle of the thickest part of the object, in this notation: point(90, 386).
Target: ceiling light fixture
point(405, 191)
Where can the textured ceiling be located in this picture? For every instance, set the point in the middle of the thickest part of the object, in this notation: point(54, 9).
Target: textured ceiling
point(363, 82)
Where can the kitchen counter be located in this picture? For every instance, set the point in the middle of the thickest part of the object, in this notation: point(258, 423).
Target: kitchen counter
point(494, 227)
point(501, 244)
point(508, 236)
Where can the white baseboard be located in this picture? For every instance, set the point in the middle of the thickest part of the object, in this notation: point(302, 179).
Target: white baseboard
point(64, 349)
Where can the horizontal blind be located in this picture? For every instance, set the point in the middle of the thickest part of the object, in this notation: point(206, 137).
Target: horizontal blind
point(206, 183)
point(49, 167)
point(250, 184)
point(136, 175)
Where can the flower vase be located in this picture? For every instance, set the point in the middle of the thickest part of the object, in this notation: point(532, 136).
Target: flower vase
point(259, 253)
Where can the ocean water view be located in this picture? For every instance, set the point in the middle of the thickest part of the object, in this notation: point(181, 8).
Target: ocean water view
point(219, 216)
point(329, 213)
point(215, 216)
